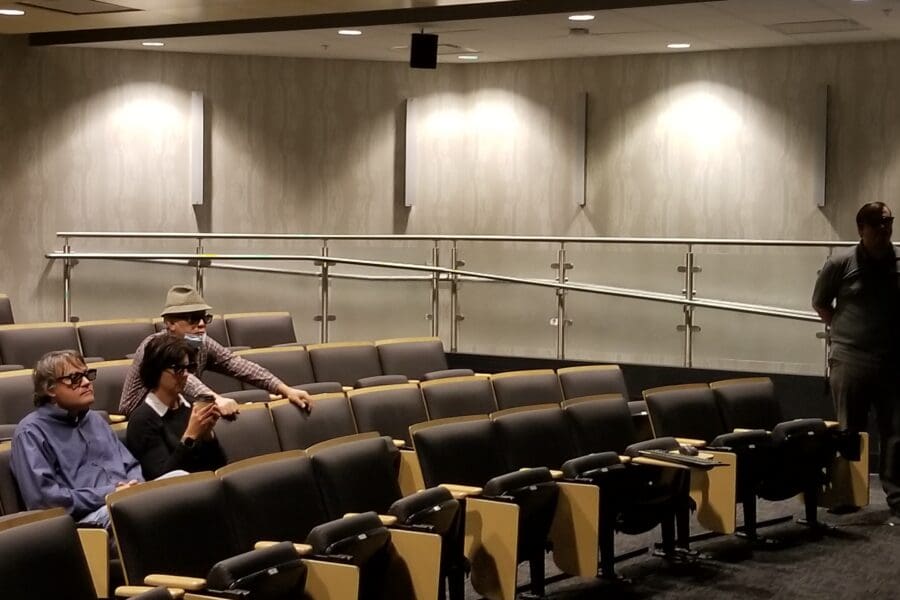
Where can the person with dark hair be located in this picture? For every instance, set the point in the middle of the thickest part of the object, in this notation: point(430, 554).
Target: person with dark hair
point(186, 315)
point(63, 453)
point(857, 295)
point(166, 432)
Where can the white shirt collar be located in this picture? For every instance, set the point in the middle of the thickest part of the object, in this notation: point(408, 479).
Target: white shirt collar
point(160, 407)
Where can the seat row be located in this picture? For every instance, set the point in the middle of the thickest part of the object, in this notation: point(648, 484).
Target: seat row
point(22, 344)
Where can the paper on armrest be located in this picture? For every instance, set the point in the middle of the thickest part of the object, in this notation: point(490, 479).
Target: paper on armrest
point(302, 549)
point(461, 491)
point(175, 581)
point(691, 442)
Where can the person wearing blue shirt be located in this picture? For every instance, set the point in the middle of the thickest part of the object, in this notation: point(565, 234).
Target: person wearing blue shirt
point(63, 453)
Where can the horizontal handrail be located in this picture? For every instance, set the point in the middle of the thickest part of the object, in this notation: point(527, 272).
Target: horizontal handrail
point(467, 238)
point(206, 260)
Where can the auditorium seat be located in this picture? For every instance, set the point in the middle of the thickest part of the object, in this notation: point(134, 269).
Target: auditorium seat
point(390, 410)
point(458, 396)
point(113, 339)
point(260, 330)
point(108, 385)
point(248, 396)
point(44, 556)
point(10, 497)
point(6, 313)
point(413, 357)
point(362, 475)
point(329, 418)
point(526, 388)
point(289, 364)
point(220, 383)
point(16, 395)
point(251, 433)
point(508, 513)
point(345, 362)
point(175, 531)
point(24, 344)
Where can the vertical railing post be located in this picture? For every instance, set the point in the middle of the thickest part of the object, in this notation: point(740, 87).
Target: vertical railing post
point(561, 320)
point(687, 326)
point(198, 269)
point(825, 334)
point(323, 278)
point(455, 317)
point(67, 282)
point(435, 289)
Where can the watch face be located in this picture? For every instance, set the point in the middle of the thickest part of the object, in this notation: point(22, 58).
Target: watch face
point(188, 442)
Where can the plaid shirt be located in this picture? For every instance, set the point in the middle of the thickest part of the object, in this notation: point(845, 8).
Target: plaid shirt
point(212, 356)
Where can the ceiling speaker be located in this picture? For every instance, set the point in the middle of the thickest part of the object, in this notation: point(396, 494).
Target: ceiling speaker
point(423, 49)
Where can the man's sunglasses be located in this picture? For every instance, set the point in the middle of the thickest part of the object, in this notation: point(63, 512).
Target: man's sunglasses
point(195, 318)
point(179, 368)
point(74, 379)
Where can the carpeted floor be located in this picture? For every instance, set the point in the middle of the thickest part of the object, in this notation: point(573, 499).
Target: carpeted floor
point(860, 559)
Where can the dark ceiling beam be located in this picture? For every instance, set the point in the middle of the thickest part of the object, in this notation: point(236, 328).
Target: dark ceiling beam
point(397, 16)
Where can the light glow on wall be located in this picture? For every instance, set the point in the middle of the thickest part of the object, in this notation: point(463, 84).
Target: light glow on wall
point(701, 118)
point(147, 115)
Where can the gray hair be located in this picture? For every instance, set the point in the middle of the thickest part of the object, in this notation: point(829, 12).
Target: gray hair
point(48, 368)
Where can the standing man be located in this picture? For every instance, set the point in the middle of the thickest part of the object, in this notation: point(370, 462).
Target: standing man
point(186, 314)
point(857, 295)
point(63, 453)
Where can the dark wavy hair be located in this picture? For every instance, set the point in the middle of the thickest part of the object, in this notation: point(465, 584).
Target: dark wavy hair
point(161, 353)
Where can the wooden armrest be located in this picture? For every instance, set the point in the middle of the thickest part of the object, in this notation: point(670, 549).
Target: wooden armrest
point(399, 443)
point(175, 581)
point(624, 459)
point(643, 460)
point(127, 591)
point(113, 418)
point(416, 381)
point(462, 491)
point(482, 374)
point(691, 442)
point(386, 520)
point(556, 474)
point(302, 549)
point(346, 388)
point(832, 424)
point(275, 397)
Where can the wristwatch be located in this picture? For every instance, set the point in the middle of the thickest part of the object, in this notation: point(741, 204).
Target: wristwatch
point(188, 442)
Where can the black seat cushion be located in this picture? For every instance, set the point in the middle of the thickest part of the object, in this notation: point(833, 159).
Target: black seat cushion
point(434, 507)
point(357, 538)
point(273, 573)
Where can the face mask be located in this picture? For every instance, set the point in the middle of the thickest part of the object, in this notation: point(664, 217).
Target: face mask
point(194, 340)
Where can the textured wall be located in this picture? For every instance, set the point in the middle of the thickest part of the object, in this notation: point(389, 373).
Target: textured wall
point(697, 144)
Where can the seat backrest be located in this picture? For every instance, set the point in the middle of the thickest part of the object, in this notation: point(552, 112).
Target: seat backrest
point(297, 429)
point(389, 409)
point(687, 410)
point(458, 396)
point(461, 450)
point(109, 383)
point(220, 383)
point(526, 388)
point(10, 497)
point(358, 476)
point(24, 344)
point(273, 497)
point(176, 526)
point(289, 364)
point(251, 395)
point(252, 433)
point(747, 403)
point(214, 329)
point(600, 423)
point(537, 436)
point(592, 380)
point(345, 362)
point(43, 557)
point(412, 357)
point(6, 314)
point(16, 395)
point(115, 339)
point(259, 330)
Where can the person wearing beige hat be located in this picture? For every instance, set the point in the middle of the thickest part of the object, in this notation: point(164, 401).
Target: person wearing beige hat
point(186, 315)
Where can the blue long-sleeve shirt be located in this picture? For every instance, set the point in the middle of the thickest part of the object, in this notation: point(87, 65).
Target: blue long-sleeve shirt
point(66, 461)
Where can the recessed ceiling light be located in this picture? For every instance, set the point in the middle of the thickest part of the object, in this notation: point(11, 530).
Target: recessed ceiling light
point(11, 12)
point(349, 32)
point(678, 46)
point(467, 57)
point(153, 44)
point(581, 17)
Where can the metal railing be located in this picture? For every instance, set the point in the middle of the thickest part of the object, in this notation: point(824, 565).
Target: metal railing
point(436, 274)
